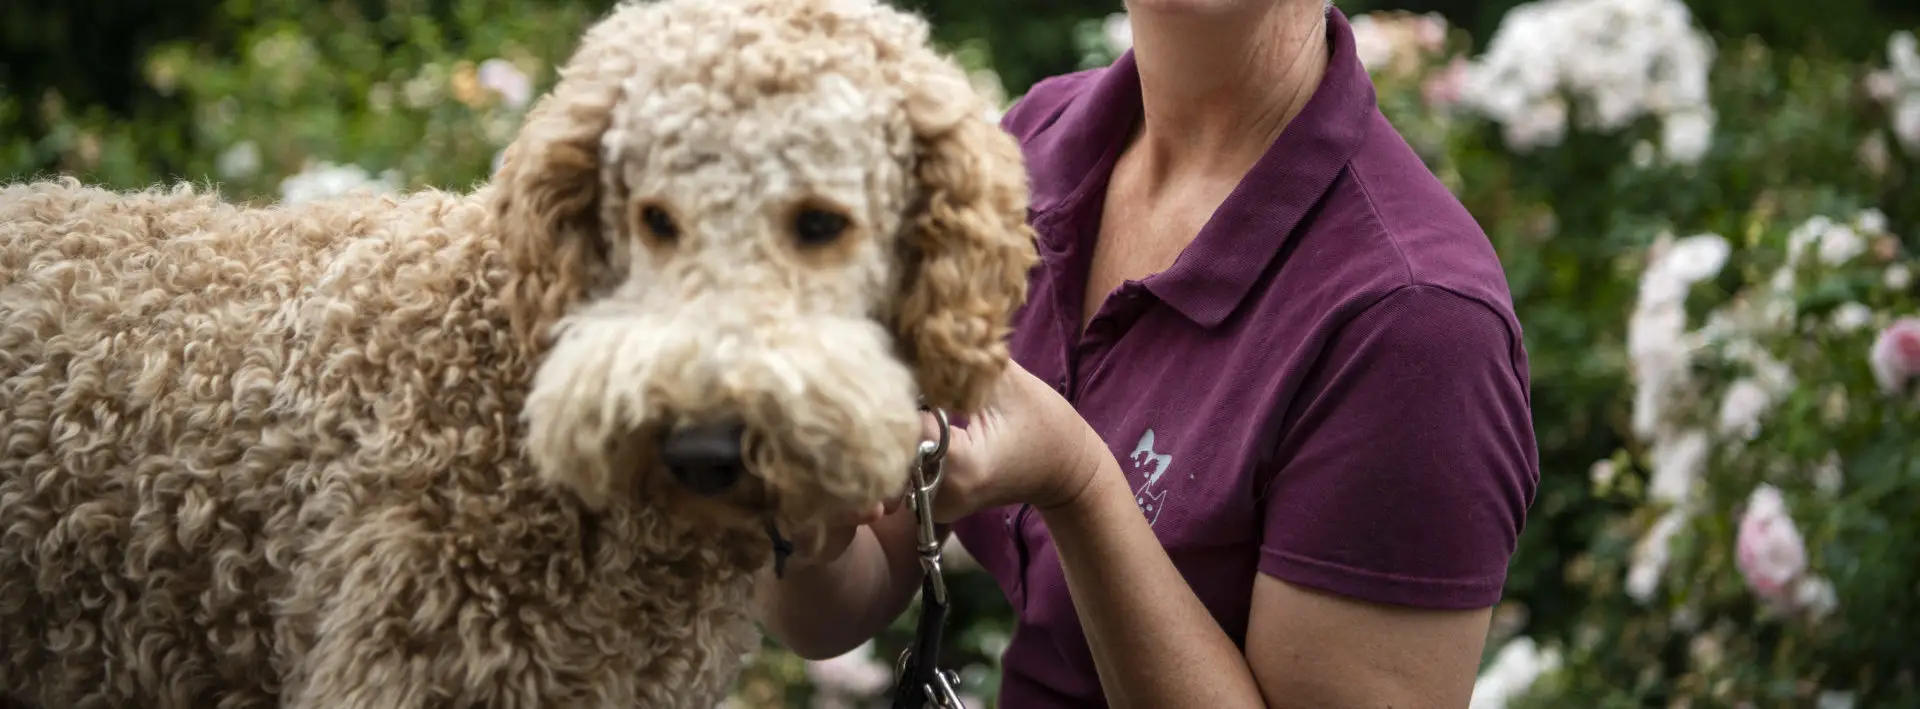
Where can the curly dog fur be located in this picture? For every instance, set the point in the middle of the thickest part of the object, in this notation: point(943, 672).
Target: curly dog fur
point(406, 451)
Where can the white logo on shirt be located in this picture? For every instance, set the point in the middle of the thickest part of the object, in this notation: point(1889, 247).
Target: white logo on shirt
point(1151, 464)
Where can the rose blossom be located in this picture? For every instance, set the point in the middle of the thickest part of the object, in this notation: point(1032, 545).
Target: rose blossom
point(1442, 89)
point(1828, 476)
point(1895, 357)
point(1882, 85)
point(1371, 41)
point(1117, 29)
point(1742, 408)
point(1852, 316)
point(1651, 554)
point(1603, 472)
point(1815, 596)
point(1898, 276)
point(1430, 32)
point(1769, 549)
point(502, 77)
point(1514, 669)
point(1685, 136)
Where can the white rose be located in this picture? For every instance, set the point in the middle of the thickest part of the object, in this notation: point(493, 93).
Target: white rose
point(1514, 669)
point(1678, 461)
point(1851, 317)
point(1816, 596)
point(1898, 277)
point(1603, 472)
point(1697, 258)
point(1650, 556)
point(1686, 136)
point(1829, 476)
point(1741, 408)
point(1839, 244)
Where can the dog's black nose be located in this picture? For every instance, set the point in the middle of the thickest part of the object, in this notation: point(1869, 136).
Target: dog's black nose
point(707, 459)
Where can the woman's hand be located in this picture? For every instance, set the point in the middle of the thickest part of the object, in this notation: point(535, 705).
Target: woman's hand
point(1027, 445)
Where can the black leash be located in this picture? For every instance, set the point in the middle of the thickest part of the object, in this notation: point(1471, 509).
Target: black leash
point(918, 680)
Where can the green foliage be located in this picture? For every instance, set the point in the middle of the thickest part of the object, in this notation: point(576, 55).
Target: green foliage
point(1841, 452)
point(386, 86)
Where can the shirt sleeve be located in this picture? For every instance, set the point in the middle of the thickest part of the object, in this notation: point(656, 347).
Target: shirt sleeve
point(1042, 103)
point(1407, 461)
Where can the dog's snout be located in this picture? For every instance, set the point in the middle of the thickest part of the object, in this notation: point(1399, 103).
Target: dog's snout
point(707, 459)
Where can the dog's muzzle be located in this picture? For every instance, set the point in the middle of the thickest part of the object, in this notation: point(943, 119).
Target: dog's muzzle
point(708, 459)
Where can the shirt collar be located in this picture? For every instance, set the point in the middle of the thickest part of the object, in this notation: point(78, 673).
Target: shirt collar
point(1211, 277)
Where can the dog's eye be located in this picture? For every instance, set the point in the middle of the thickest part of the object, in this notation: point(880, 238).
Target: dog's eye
point(657, 220)
point(818, 227)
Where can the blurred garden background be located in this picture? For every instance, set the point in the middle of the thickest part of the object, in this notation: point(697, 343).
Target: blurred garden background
point(1707, 210)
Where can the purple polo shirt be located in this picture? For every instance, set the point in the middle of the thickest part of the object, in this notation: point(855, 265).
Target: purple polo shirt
point(1327, 386)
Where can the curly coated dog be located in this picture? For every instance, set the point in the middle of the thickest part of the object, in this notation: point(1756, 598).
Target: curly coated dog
point(517, 447)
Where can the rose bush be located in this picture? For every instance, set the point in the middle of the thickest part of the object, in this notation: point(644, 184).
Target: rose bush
point(1764, 558)
point(1720, 308)
point(1708, 240)
point(1704, 242)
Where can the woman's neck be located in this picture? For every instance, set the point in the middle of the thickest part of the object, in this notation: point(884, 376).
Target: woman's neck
point(1219, 85)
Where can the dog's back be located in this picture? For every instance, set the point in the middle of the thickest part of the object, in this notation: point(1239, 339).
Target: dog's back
point(269, 458)
point(189, 391)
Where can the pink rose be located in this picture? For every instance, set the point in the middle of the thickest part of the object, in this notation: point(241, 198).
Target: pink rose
point(1769, 549)
point(1430, 32)
point(1442, 88)
point(1896, 355)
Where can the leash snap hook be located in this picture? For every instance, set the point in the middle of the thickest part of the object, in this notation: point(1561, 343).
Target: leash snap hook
point(918, 684)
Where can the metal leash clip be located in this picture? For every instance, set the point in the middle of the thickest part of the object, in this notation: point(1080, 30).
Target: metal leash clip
point(943, 692)
point(932, 455)
point(914, 673)
point(944, 695)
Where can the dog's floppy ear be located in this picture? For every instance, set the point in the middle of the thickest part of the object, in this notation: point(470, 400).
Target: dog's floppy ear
point(968, 247)
point(548, 190)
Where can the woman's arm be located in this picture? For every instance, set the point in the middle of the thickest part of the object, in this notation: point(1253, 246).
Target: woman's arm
point(1405, 476)
point(1312, 649)
point(823, 610)
point(1155, 645)
point(1153, 642)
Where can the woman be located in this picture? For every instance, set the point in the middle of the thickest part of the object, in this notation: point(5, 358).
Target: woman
point(1269, 443)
